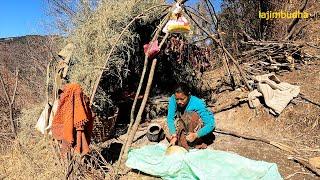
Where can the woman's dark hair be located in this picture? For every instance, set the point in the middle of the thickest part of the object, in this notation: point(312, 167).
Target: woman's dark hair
point(182, 88)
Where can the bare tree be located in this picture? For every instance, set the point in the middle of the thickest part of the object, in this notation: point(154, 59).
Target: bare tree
point(11, 100)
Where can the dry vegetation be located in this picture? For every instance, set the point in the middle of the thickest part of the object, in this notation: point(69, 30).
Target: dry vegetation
point(96, 33)
point(94, 27)
point(30, 155)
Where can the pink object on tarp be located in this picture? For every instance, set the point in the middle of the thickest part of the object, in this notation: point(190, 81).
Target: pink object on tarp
point(151, 49)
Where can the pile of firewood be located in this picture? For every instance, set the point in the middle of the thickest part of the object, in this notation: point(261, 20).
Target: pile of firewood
point(273, 56)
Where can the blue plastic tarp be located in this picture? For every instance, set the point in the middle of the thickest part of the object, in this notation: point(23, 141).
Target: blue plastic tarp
point(199, 164)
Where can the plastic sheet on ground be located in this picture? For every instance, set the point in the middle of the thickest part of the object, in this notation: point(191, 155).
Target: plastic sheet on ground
point(199, 164)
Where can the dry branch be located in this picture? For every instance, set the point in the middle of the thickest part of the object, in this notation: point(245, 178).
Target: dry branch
point(262, 57)
point(302, 96)
point(306, 164)
point(11, 100)
point(221, 45)
point(274, 143)
point(227, 106)
point(295, 21)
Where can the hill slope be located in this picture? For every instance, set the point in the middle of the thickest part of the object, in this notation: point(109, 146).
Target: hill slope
point(30, 55)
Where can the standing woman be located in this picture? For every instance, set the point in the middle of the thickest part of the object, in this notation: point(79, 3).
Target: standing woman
point(189, 121)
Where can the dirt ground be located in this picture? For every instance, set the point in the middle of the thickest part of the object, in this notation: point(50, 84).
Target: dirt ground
point(297, 126)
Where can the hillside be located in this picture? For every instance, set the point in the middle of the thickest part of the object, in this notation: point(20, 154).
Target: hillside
point(30, 55)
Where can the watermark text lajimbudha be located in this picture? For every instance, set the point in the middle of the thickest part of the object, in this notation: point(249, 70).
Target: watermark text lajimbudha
point(283, 14)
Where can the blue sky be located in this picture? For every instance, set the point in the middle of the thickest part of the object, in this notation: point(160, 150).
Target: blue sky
point(26, 17)
point(22, 17)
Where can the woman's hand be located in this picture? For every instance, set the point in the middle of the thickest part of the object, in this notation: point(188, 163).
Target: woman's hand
point(173, 140)
point(191, 137)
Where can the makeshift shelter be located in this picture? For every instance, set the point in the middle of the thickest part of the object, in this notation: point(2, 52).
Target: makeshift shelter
point(108, 59)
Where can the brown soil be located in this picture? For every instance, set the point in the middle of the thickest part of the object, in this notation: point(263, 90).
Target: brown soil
point(297, 126)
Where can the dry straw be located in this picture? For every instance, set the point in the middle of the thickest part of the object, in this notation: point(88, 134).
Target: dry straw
point(94, 32)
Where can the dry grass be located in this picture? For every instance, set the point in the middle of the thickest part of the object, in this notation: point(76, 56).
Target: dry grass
point(30, 156)
point(94, 35)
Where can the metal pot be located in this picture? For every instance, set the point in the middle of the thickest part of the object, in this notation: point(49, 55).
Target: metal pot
point(155, 132)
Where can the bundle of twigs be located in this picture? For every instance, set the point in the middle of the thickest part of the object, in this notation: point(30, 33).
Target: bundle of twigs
point(265, 56)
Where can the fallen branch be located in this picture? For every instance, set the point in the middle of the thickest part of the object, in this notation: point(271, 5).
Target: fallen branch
point(298, 32)
point(305, 164)
point(248, 137)
point(228, 106)
point(313, 45)
point(302, 96)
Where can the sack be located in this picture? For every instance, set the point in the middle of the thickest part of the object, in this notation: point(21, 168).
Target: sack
point(178, 24)
point(52, 114)
point(151, 49)
point(177, 9)
point(43, 119)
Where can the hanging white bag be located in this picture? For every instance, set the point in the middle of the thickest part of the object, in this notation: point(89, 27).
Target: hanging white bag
point(52, 114)
point(43, 120)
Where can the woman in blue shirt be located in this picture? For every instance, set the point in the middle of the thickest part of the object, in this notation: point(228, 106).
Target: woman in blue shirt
point(189, 120)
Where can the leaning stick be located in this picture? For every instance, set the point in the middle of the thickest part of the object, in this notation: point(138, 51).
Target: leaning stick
point(145, 97)
point(132, 131)
point(145, 65)
point(141, 109)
